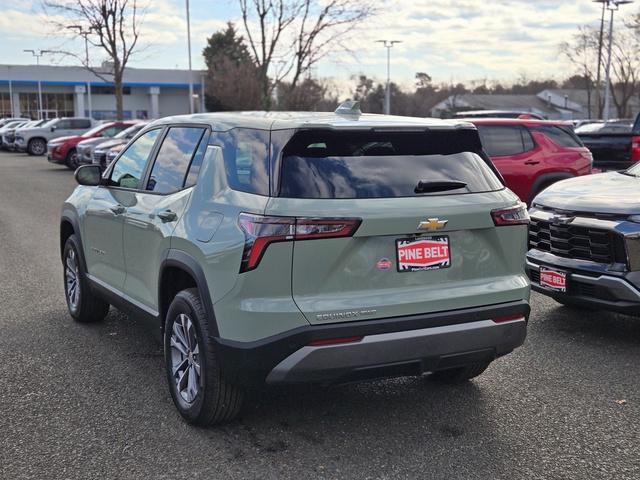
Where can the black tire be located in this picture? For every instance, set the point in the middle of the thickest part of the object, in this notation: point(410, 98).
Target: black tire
point(72, 159)
point(459, 374)
point(87, 306)
point(37, 146)
point(216, 401)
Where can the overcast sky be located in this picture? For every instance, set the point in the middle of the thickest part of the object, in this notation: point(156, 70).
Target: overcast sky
point(452, 40)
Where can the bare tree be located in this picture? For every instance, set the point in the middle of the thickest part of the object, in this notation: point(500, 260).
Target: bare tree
point(582, 52)
point(291, 36)
point(625, 70)
point(114, 26)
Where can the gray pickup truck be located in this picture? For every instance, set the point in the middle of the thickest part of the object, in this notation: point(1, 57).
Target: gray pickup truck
point(615, 145)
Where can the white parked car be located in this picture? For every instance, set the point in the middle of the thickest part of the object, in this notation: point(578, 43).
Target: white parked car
point(34, 140)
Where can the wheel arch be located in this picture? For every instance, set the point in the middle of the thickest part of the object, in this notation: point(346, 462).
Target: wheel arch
point(178, 271)
point(70, 226)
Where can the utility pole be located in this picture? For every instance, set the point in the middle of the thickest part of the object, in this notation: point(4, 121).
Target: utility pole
point(598, 102)
point(612, 6)
point(388, 44)
point(189, 48)
point(85, 33)
point(38, 54)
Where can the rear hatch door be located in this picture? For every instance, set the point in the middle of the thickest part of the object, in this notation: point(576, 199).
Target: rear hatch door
point(425, 238)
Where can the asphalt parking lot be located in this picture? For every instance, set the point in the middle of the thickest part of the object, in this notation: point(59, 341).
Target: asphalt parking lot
point(91, 401)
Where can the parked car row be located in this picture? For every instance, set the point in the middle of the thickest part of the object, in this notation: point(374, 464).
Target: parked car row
point(68, 140)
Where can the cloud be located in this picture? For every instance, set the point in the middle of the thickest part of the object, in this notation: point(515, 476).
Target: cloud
point(452, 40)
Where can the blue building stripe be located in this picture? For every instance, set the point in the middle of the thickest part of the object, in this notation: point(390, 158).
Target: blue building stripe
point(62, 83)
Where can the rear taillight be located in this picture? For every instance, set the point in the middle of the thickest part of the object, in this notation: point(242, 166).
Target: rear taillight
point(517, 215)
point(635, 148)
point(260, 231)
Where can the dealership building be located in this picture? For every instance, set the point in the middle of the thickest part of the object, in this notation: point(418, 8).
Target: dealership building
point(77, 92)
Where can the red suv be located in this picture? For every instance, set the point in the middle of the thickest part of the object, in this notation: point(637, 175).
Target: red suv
point(63, 149)
point(533, 154)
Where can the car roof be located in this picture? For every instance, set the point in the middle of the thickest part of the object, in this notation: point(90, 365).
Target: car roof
point(515, 121)
point(325, 120)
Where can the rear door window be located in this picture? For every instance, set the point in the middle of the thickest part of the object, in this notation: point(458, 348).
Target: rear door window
point(80, 123)
point(173, 159)
point(325, 164)
point(504, 140)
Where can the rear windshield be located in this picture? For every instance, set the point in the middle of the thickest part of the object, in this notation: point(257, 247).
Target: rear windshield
point(320, 164)
point(559, 136)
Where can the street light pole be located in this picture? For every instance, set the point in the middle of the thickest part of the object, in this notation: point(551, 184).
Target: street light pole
point(189, 48)
point(85, 33)
point(38, 54)
point(612, 6)
point(388, 44)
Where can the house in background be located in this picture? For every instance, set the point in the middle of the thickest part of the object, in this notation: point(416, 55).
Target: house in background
point(554, 104)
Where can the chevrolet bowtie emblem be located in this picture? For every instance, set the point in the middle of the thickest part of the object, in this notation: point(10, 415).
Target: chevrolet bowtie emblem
point(432, 224)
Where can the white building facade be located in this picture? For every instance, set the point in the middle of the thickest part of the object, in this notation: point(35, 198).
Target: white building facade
point(77, 92)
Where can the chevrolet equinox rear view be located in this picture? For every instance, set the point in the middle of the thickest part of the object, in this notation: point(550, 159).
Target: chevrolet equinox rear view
point(301, 247)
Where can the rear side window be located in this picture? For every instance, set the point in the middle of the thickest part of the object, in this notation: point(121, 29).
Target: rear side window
point(325, 164)
point(246, 158)
point(173, 159)
point(503, 140)
point(559, 136)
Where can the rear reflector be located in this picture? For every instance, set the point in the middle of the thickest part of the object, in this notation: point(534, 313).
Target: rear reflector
point(508, 318)
point(517, 215)
point(260, 231)
point(334, 341)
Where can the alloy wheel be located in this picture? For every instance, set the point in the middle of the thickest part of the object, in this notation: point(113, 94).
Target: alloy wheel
point(185, 358)
point(72, 282)
point(38, 147)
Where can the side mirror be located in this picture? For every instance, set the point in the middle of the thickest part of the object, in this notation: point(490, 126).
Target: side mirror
point(53, 129)
point(89, 175)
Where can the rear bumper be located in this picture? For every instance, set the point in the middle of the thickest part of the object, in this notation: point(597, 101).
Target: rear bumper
point(389, 347)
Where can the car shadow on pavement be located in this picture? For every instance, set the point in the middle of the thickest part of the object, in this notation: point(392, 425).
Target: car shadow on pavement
point(608, 328)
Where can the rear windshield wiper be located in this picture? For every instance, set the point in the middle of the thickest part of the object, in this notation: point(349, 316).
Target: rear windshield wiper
point(438, 186)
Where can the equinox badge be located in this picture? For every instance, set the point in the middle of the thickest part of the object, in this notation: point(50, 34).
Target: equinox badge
point(432, 224)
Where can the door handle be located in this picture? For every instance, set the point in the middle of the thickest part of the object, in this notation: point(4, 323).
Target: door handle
point(532, 162)
point(117, 209)
point(167, 216)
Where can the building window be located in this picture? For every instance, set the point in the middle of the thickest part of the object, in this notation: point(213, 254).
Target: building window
point(108, 90)
point(53, 105)
point(5, 105)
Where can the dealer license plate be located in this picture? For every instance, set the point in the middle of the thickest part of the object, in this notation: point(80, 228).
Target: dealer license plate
point(553, 279)
point(423, 253)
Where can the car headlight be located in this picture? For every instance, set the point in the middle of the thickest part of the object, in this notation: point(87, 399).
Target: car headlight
point(632, 246)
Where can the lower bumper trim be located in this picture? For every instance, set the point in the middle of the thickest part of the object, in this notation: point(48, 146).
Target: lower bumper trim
point(427, 349)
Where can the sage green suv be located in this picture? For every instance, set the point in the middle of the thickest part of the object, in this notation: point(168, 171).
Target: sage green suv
point(301, 247)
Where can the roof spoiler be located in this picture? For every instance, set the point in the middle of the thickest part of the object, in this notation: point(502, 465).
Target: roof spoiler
point(350, 107)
